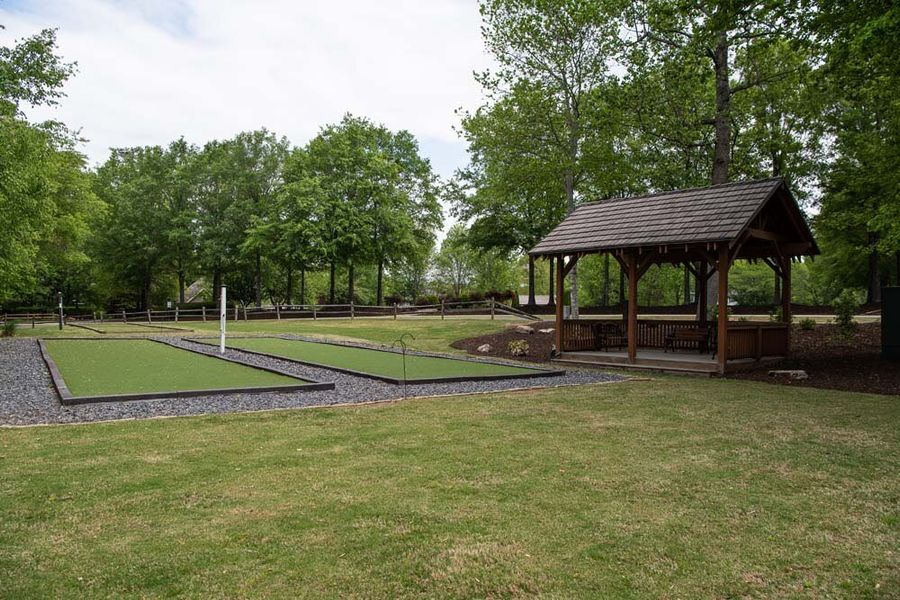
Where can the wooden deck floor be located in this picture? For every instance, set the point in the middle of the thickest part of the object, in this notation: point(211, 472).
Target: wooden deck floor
point(653, 360)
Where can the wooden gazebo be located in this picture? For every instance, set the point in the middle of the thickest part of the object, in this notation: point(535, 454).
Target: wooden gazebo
point(706, 229)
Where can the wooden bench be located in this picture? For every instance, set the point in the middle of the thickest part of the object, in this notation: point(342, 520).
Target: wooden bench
point(608, 335)
point(698, 336)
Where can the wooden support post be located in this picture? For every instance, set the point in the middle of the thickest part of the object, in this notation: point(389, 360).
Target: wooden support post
point(786, 316)
point(560, 282)
point(32, 320)
point(702, 282)
point(631, 262)
point(203, 311)
point(724, 264)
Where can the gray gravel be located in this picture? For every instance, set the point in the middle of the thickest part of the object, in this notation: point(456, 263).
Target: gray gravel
point(27, 396)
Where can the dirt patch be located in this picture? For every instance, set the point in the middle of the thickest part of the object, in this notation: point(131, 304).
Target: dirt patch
point(539, 344)
point(834, 362)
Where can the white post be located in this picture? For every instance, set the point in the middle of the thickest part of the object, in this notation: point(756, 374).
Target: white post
point(222, 322)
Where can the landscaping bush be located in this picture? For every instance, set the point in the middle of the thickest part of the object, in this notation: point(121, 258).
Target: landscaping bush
point(9, 328)
point(518, 348)
point(807, 324)
point(429, 299)
point(845, 306)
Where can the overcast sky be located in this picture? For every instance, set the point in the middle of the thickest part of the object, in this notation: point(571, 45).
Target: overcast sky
point(150, 71)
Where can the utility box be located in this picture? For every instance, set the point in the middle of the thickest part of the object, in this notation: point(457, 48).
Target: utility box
point(890, 323)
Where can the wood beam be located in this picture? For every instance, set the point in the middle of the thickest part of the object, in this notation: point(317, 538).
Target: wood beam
point(632, 306)
point(560, 283)
point(762, 234)
point(724, 263)
point(786, 298)
point(571, 263)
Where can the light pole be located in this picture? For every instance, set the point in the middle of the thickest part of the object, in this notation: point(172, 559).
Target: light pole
point(222, 321)
point(60, 306)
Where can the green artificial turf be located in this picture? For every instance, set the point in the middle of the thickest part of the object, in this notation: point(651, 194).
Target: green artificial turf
point(99, 367)
point(374, 362)
point(672, 488)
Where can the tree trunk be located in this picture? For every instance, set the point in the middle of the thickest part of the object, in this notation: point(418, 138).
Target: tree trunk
point(776, 296)
point(180, 287)
point(331, 274)
point(379, 286)
point(722, 125)
point(530, 280)
point(350, 282)
point(573, 274)
point(258, 283)
point(621, 286)
point(551, 301)
point(873, 295)
point(302, 285)
point(289, 293)
point(604, 299)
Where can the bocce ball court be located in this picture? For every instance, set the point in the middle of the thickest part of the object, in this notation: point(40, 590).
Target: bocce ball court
point(96, 370)
point(382, 364)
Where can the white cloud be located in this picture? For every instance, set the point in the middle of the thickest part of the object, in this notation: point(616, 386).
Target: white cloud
point(149, 72)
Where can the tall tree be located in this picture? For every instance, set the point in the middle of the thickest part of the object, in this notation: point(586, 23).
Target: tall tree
point(562, 50)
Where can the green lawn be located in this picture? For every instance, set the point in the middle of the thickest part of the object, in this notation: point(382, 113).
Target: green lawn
point(431, 334)
point(374, 362)
point(98, 367)
point(672, 488)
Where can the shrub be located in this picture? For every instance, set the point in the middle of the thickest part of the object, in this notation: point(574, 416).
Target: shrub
point(9, 328)
point(845, 306)
point(807, 324)
point(518, 348)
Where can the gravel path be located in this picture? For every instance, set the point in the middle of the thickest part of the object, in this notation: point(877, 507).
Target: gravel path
point(27, 396)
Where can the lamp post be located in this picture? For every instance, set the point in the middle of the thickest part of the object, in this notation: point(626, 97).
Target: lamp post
point(222, 321)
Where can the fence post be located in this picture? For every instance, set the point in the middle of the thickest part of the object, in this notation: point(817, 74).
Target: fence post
point(124, 316)
point(149, 320)
point(395, 311)
point(314, 312)
point(278, 311)
point(492, 308)
point(32, 321)
point(442, 309)
point(203, 311)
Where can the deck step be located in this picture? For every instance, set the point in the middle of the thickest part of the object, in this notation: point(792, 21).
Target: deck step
point(642, 364)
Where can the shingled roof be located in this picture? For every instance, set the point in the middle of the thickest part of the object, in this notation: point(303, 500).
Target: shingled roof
point(719, 213)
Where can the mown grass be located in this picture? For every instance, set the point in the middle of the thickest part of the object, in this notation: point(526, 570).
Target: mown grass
point(671, 488)
point(119, 366)
point(375, 362)
point(427, 333)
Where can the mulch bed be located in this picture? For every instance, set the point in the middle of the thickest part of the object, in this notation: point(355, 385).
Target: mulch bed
point(832, 361)
point(539, 344)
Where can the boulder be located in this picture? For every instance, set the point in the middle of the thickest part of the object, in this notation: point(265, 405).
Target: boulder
point(798, 374)
point(484, 348)
point(523, 329)
point(548, 330)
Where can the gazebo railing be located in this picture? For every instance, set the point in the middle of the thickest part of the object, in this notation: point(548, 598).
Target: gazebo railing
point(745, 339)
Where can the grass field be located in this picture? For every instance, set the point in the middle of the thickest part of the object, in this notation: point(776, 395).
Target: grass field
point(431, 334)
point(674, 488)
point(387, 364)
point(98, 367)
